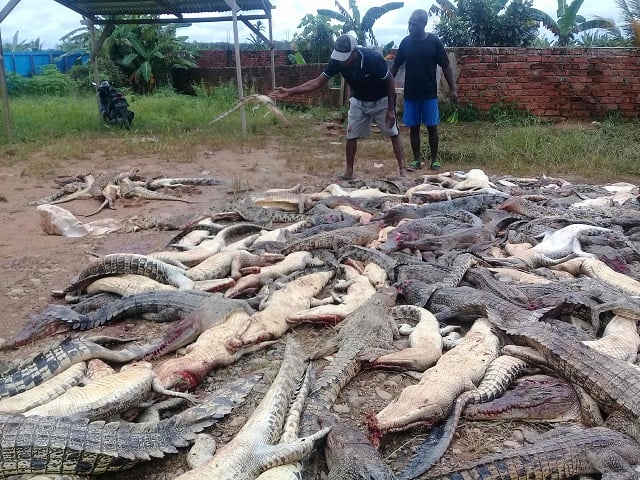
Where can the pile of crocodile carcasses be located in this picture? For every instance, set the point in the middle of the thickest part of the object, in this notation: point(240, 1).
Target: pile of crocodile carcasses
point(396, 313)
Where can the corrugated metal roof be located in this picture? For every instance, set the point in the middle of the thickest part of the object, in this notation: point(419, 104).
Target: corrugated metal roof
point(93, 8)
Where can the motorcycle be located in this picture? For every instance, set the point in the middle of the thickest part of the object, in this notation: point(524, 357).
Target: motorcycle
point(113, 105)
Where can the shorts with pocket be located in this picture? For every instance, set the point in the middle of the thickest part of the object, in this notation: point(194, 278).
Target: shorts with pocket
point(363, 113)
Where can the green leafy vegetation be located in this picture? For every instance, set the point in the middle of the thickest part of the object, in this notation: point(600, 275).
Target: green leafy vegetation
point(479, 23)
point(352, 22)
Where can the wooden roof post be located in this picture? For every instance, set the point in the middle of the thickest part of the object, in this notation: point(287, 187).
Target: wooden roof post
point(5, 95)
point(234, 11)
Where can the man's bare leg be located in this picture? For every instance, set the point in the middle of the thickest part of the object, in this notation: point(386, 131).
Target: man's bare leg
point(433, 145)
point(414, 136)
point(398, 151)
point(352, 148)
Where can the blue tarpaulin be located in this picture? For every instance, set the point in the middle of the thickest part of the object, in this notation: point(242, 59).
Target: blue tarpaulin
point(30, 63)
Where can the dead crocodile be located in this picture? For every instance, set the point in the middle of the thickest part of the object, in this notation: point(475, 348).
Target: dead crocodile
point(475, 204)
point(291, 263)
point(457, 371)
point(271, 322)
point(359, 289)
point(534, 398)
point(357, 235)
point(208, 352)
point(79, 446)
point(596, 269)
point(350, 456)
point(107, 396)
point(498, 376)
point(369, 327)
point(614, 384)
point(224, 239)
point(425, 342)
point(292, 471)
point(255, 447)
point(229, 264)
point(564, 452)
point(119, 263)
point(192, 303)
point(60, 357)
point(46, 391)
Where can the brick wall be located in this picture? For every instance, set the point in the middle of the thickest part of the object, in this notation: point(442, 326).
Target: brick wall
point(557, 83)
point(249, 58)
point(258, 80)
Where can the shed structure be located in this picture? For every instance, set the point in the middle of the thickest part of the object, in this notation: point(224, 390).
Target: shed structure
point(102, 12)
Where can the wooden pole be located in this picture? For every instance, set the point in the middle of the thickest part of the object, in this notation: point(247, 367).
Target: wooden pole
point(234, 11)
point(94, 63)
point(5, 95)
point(273, 60)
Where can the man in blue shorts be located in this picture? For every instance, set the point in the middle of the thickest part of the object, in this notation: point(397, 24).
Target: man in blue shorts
point(422, 52)
point(373, 96)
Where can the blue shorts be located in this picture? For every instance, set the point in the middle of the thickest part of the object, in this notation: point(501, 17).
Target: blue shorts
point(416, 112)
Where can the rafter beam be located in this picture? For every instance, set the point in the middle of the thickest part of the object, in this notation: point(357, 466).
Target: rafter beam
point(11, 4)
point(255, 30)
point(164, 21)
point(166, 6)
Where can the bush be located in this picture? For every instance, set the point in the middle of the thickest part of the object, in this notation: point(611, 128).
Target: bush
point(50, 81)
point(82, 75)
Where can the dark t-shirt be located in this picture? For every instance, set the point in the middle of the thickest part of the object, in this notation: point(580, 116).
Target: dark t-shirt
point(421, 58)
point(367, 76)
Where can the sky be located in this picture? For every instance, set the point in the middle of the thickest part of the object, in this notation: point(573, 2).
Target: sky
point(49, 21)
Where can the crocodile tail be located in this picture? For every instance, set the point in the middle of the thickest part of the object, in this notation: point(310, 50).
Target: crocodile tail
point(218, 403)
point(434, 446)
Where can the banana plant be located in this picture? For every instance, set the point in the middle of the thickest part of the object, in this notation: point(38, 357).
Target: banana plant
point(351, 21)
point(569, 22)
point(142, 48)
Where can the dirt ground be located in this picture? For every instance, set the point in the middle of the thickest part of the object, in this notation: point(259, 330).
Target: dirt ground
point(33, 264)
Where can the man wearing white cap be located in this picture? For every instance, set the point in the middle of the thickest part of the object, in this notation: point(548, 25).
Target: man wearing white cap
point(373, 96)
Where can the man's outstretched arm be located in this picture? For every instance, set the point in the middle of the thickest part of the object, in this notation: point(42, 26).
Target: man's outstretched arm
point(314, 84)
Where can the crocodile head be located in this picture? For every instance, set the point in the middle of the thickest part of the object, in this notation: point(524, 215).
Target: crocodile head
point(38, 326)
point(176, 376)
point(415, 406)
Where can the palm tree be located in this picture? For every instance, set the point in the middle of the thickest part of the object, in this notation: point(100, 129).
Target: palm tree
point(16, 44)
point(569, 23)
point(351, 22)
point(631, 18)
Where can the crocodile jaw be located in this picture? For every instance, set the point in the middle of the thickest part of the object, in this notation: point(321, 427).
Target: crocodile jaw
point(410, 409)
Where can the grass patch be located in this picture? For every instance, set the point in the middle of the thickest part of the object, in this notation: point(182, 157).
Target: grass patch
point(590, 151)
point(49, 130)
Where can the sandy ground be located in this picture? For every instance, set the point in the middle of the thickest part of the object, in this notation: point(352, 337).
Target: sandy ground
point(33, 264)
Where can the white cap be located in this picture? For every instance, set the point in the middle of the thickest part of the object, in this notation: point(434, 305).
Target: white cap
point(345, 44)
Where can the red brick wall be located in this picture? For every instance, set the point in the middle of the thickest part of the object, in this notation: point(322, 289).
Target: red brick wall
point(557, 83)
point(258, 80)
point(250, 58)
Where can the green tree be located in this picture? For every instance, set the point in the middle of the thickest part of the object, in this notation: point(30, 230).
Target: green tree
point(631, 20)
point(486, 23)
point(316, 38)
point(255, 42)
point(351, 22)
point(569, 22)
point(610, 38)
point(147, 53)
point(16, 45)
